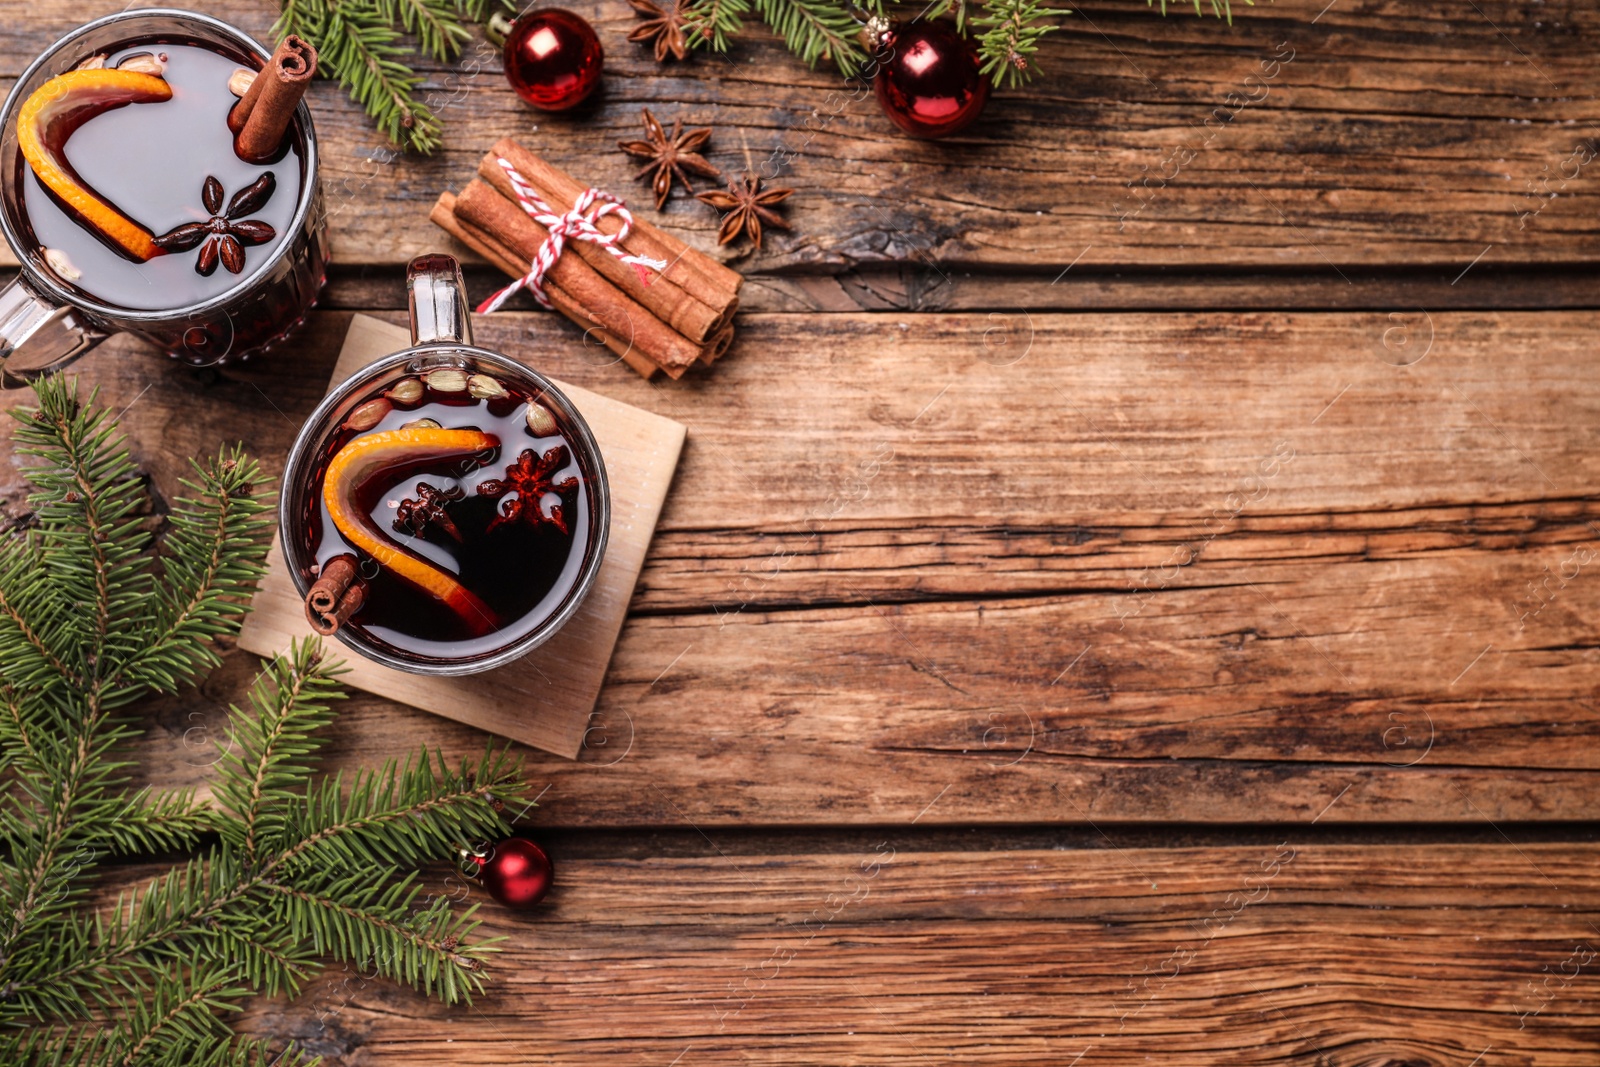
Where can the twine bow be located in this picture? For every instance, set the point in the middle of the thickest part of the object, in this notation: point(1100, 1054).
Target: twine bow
point(579, 225)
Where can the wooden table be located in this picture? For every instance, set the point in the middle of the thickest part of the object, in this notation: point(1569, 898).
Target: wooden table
point(1128, 597)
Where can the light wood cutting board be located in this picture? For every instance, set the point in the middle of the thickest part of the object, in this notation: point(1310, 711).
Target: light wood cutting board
point(544, 699)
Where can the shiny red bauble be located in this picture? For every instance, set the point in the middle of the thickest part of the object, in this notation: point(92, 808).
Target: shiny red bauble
point(516, 872)
point(928, 81)
point(553, 58)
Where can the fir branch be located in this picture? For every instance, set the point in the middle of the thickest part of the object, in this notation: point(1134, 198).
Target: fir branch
point(366, 919)
point(181, 1013)
point(215, 552)
point(433, 22)
point(1009, 32)
point(163, 822)
point(269, 751)
point(356, 44)
point(32, 622)
point(711, 23)
point(409, 816)
point(1222, 9)
point(296, 870)
point(16, 735)
point(816, 30)
point(86, 501)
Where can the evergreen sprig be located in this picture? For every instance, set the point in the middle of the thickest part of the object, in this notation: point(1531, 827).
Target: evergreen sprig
point(95, 612)
point(363, 44)
point(1009, 31)
point(358, 43)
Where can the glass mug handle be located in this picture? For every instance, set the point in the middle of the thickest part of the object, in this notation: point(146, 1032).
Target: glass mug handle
point(38, 336)
point(437, 298)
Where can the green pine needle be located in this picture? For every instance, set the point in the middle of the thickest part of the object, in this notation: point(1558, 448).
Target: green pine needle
point(366, 45)
point(816, 30)
point(96, 611)
point(1009, 32)
point(358, 44)
point(713, 23)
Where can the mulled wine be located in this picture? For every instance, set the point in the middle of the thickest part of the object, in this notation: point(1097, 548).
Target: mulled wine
point(133, 194)
point(447, 514)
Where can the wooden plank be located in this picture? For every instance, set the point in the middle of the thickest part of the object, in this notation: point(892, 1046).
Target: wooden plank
point(1352, 136)
point(1213, 708)
point(1255, 639)
point(1288, 953)
point(920, 287)
point(1052, 420)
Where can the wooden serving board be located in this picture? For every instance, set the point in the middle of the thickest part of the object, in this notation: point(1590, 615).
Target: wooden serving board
point(545, 698)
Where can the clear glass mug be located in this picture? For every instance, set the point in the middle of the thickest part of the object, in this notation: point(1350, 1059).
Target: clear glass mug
point(44, 325)
point(441, 338)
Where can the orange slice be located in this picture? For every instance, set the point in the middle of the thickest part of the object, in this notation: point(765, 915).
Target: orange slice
point(374, 453)
point(53, 112)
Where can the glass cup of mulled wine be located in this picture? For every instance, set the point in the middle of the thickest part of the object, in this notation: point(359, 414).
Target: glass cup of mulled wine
point(124, 196)
point(445, 509)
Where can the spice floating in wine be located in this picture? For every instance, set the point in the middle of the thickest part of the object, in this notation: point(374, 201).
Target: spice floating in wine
point(461, 501)
point(227, 233)
point(124, 152)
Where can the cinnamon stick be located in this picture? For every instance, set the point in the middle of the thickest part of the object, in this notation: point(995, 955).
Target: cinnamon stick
point(604, 303)
point(260, 120)
point(664, 293)
point(443, 215)
point(700, 276)
point(336, 595)
point(717, 345)
point(327, 623)
point(334, 578)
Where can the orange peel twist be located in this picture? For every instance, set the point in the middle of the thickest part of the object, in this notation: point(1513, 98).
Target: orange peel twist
point(374, 453)
point(53, 112)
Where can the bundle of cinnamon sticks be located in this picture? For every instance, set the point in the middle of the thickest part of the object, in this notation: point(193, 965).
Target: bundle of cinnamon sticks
point(667, 320)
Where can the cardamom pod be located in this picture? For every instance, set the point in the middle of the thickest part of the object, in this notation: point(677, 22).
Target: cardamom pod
point(540, 421)
point(405, 391)
point(485, 388)
point(446, 380)
point(239, 81)
point(144, 63)
point(368, 415)
point(59, 262)
point(420, 424)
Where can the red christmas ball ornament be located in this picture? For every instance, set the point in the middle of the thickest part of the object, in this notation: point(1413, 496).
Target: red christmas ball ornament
point(553, 58)
point(516, 872)
point(928, 81)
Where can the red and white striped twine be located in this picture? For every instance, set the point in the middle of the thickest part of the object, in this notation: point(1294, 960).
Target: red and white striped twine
point(578, 224)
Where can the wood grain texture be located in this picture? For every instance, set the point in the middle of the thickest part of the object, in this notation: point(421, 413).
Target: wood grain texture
point(943, 563)
point(920, 287)
point(1396, 134)
point(1285, 953)
point(1062, 587)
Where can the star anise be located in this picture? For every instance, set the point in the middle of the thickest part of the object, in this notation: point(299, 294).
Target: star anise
point(747, 208)
point(670, 156)
point(415, 516)
point(663, 26)
point(226, 235)
point(530, 478)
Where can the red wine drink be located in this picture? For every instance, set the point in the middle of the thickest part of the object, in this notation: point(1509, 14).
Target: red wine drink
point(458, 500)
point(445, 509)
point(158, 174)
point(165, 165)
